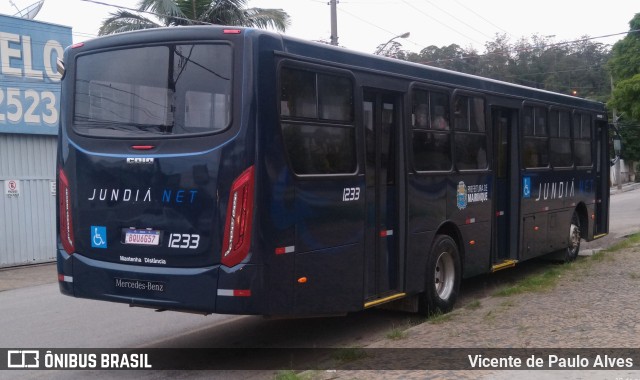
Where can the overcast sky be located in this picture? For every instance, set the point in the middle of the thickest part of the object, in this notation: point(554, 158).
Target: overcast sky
point(364, 24)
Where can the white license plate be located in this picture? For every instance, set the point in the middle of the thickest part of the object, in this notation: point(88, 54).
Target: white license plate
point(142, 237)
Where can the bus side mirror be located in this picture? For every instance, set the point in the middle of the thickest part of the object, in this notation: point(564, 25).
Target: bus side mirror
point(617, 145)
point(60, 66)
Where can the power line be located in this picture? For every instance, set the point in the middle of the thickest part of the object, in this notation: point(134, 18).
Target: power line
point(376, 26)
point(456, 18)
point(440, 22)
point(480, 16)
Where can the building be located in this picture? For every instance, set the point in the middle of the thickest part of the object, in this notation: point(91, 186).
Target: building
point(29, 117)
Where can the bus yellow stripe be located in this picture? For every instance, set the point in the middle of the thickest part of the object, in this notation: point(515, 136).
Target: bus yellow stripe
point(384, 300)
point(504, 265)
point(599, 236)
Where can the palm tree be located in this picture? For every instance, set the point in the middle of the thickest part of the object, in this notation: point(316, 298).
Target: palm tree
point(194, 12)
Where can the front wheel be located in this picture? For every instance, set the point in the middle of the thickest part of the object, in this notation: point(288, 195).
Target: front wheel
point(442, 277)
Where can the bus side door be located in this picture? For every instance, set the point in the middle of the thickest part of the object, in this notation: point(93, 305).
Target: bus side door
point(381, 115)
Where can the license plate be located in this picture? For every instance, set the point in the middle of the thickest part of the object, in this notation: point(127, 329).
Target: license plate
point(141, 237)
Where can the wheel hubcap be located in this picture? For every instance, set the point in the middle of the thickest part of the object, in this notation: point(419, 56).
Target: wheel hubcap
point(444, 275)
point(574, 237)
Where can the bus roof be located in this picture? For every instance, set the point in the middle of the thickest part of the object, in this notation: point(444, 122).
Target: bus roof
point(353, 60)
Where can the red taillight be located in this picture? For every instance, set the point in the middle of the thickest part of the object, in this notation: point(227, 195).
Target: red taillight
point(142, 147)
point(64, 206)
point(237, 230)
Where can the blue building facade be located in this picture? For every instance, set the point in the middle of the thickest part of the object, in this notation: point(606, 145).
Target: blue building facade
point(29, 118)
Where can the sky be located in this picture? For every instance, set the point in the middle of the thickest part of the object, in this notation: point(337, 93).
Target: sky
point(365, 24)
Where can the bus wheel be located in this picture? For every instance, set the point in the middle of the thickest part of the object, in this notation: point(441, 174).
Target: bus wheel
point(574, 239)
point(442, 277)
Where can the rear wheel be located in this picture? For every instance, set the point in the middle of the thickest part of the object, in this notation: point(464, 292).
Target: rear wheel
point(442, 277)
point(574, 239)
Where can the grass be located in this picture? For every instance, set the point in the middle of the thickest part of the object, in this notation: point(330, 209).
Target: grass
point(473, 305)
point(287, 375)
point(438, 317)
point(292, 375)
point(548, 279)
point(624, 244)
point(540, 282)
point(397, 333)
point(345, 355)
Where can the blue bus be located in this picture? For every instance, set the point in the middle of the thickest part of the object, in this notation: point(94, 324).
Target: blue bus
point(228, 170)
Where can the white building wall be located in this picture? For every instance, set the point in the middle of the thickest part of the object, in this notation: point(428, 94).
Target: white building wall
point(27, 221)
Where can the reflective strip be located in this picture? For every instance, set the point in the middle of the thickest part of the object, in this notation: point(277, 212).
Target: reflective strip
point(386, 233)
point(63, 278)
point(499, 213)
point(470, 220)
point(234, 292)
point(283, 250)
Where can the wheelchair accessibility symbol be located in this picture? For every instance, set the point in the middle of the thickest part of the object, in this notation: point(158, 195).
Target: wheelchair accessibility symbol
point(98, 237)
point(526, 187)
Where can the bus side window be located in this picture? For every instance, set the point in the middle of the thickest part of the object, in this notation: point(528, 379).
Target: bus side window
point(431, 138)
point(298, 93)
point(560, 138)
point(582, 139)
point(470, 133)
point(316, 112)
point(536, 139)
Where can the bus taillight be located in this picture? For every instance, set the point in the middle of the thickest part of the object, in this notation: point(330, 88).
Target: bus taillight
point(64, 203)
point(237, 231)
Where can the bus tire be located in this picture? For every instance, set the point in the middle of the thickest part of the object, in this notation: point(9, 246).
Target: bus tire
point(574, 239)
point(442, 280)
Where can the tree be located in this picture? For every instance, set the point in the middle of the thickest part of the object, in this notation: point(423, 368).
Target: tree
point(392, 49)
point(624, 67)
point(194, 12)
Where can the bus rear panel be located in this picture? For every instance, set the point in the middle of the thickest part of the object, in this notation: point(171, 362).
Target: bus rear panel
point(156, 174)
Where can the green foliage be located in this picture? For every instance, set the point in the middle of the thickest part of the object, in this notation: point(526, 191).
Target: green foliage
point(194, 12)
point(625, 59)
point(536, 283)
point(624, 66)
point(630, 143)
point(578, 66)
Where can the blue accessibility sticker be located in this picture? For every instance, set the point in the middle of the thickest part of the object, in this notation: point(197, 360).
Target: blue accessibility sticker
point(526, 187)
point(98, 236)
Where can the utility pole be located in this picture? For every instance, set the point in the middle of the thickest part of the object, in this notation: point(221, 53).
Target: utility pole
point(334, 22)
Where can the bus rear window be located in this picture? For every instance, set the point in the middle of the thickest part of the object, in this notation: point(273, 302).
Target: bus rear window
point(154, 90)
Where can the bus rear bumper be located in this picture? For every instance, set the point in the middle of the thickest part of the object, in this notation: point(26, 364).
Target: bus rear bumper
point(201, 290)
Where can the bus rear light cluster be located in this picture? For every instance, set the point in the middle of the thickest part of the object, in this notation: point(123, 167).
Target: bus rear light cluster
point(237, 231)
point(64, 207)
